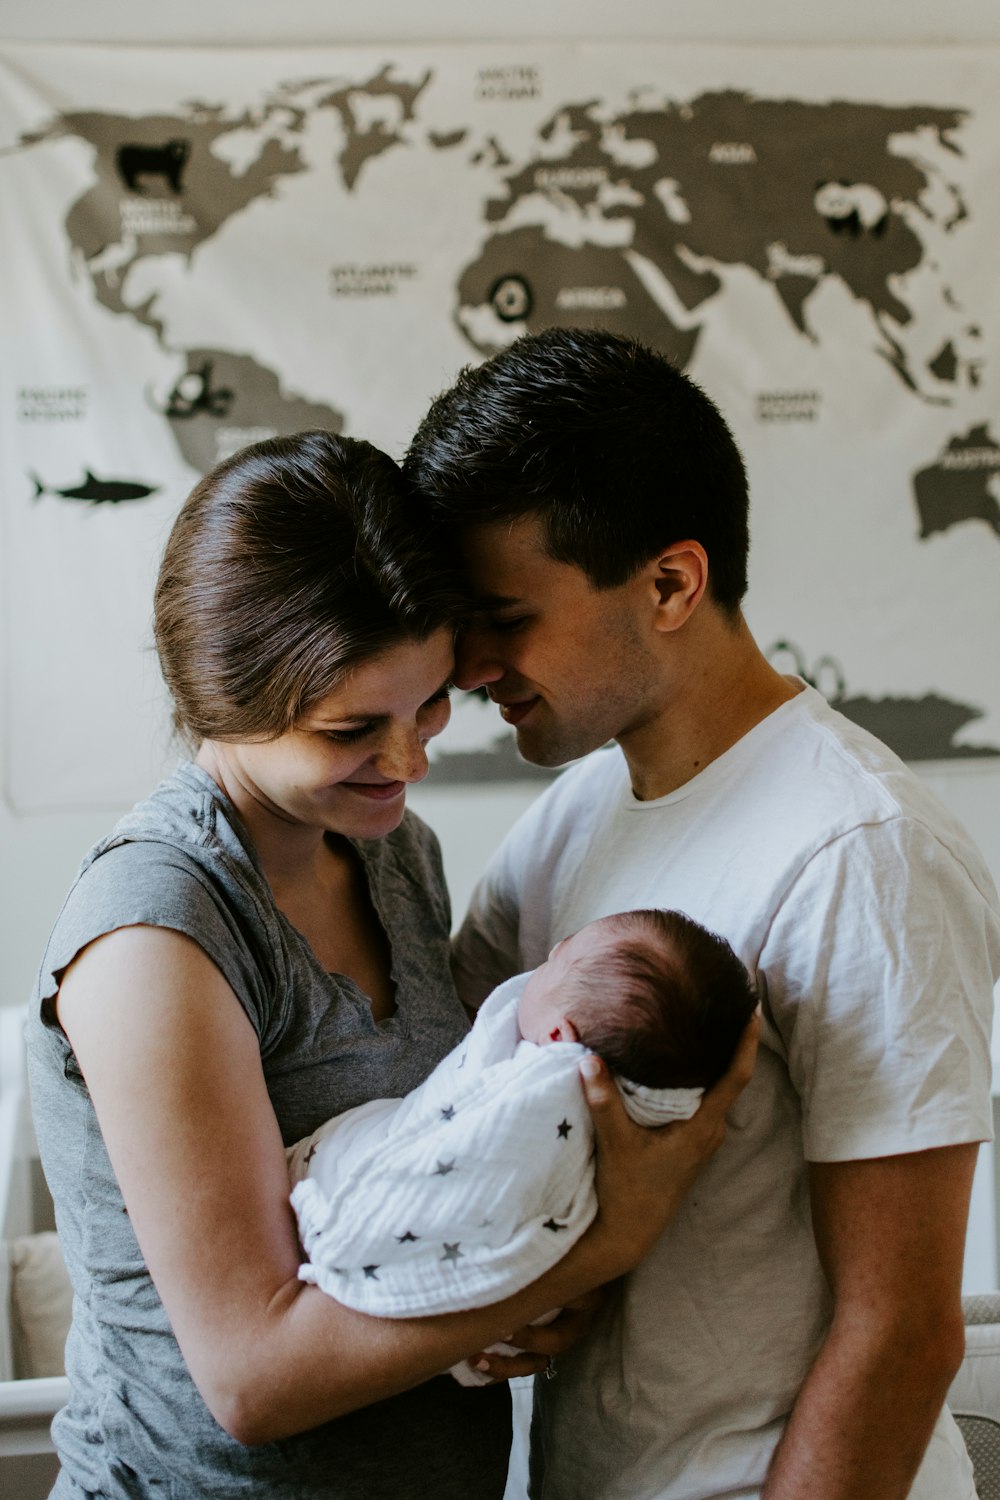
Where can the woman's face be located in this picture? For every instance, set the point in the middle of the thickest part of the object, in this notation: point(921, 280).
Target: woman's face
point(345, 765)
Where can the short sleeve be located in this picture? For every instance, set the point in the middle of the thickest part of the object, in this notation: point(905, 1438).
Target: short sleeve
point(879, 970)
point(152, 884)
point(485, 951)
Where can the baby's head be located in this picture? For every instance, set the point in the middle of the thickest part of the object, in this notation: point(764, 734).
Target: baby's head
point(659, 998)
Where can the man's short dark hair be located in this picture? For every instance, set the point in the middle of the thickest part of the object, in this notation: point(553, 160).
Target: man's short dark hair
point(618, 453)
point(665, 1005)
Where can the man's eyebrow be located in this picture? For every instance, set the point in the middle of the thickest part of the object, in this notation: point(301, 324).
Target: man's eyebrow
point(496, 601)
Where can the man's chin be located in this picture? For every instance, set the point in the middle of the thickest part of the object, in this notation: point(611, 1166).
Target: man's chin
point(550, 753)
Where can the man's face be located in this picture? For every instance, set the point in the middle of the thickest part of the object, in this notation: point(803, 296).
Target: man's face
point(571, 666)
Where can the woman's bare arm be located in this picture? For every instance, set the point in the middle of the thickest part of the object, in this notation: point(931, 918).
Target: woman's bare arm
point(174, 1071)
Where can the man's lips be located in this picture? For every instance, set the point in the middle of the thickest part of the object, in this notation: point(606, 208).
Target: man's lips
point(376, 791)
point(513, 713)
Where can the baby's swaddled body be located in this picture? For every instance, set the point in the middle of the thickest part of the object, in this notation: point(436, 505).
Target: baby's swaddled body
point(462, 1192)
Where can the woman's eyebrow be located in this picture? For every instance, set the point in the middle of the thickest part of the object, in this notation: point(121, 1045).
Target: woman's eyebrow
point(378, 716)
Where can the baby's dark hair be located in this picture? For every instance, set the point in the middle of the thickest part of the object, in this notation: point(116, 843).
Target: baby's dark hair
point(664, 1004)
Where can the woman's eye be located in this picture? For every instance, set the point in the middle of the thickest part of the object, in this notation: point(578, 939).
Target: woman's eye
point(441, 696)
point(348, 736)
point(507, 624)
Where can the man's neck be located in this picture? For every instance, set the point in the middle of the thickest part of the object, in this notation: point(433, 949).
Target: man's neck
point(721, 687)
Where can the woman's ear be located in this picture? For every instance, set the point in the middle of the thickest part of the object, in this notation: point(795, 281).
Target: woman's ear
point(678, 577)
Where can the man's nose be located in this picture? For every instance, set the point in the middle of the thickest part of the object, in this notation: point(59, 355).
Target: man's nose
point(475, 664)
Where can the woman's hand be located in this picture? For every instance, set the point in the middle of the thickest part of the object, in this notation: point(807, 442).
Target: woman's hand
point(539, 1343)
point(642, 1173)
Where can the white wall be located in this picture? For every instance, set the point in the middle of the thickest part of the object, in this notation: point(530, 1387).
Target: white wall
point(38, 854)
point(305, 21)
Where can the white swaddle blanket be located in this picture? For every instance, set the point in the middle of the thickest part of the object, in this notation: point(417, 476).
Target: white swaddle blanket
point(467, 1189)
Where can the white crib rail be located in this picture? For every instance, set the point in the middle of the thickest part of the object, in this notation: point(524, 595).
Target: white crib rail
point(26, 1406)
point(26, 1411)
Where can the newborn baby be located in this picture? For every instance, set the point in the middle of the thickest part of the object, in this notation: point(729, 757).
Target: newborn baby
point(482, 1178)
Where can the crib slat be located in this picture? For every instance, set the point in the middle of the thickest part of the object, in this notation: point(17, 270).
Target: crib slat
point(26, 1411)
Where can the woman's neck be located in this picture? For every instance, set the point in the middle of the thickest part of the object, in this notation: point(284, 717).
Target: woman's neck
point(288, 851)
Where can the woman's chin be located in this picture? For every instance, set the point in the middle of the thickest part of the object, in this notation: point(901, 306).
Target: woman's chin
point(361, 815)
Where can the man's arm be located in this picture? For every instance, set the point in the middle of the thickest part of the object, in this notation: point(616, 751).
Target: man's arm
point(890, 1235)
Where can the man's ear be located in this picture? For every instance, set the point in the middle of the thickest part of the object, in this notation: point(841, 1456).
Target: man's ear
point(678, 577)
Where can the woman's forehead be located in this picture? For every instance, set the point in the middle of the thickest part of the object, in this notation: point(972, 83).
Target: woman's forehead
point(410, 670)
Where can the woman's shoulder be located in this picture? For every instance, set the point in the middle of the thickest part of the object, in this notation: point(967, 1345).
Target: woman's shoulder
point(187, 810)
point(178, 860)
point(181, 851)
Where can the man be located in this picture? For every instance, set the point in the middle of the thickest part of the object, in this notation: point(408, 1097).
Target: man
point(794, 1333)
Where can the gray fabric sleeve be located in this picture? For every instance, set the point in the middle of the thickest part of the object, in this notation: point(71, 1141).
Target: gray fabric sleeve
point(156, 885)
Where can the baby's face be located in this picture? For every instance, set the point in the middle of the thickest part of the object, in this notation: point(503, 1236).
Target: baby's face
point(545, 1010)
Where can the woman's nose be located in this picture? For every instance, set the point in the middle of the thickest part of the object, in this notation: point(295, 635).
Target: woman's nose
point(404, 758)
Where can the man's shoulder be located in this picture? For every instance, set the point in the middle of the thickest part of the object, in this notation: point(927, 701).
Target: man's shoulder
point(835, 780)
point(817, 755)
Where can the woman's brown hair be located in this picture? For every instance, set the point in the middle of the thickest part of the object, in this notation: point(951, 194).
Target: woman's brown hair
point(288, 564)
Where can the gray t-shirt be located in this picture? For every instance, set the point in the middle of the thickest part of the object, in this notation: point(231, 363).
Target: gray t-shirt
point(135, 1424)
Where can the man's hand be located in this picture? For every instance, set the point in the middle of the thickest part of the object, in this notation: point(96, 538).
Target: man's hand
point(642, 1176)
point(644, 1173)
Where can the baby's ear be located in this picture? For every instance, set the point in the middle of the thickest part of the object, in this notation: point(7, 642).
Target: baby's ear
point(564, 1031)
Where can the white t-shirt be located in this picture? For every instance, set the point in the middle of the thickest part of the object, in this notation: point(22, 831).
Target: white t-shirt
point(872, 927)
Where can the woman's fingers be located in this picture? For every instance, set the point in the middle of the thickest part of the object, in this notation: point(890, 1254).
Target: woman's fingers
point(509, 1366)
point(562, 1332)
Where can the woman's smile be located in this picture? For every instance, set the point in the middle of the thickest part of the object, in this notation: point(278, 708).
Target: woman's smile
point(378, 791)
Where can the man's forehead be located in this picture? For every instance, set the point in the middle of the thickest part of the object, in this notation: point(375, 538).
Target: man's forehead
point(522, 537)
point(505, 559)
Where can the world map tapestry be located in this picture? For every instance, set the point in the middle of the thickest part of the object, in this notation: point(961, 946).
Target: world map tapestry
point(203, 248)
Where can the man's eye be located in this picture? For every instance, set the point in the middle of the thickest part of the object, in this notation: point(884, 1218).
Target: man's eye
point(507, 624)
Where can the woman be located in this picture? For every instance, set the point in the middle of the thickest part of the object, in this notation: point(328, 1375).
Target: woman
point(259, 945)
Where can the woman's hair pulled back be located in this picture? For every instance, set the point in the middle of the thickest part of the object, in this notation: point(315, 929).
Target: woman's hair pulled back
point(289, 564)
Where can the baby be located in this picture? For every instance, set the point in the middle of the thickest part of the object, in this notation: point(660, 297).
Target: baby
point(482, 1178)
